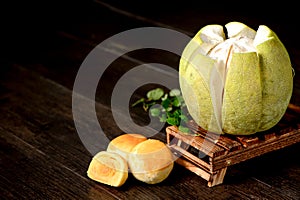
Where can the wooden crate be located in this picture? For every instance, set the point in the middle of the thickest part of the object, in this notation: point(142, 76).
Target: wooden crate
point(208, 155)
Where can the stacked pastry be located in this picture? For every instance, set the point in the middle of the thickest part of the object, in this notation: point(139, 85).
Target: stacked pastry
point(149, 160)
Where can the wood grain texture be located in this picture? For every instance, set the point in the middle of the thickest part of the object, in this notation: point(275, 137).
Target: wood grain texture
point(42, 156)
point(47, 127)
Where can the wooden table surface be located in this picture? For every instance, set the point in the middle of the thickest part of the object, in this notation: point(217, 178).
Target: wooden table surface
point(43, 47)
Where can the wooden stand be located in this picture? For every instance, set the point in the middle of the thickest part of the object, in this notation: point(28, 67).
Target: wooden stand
point(208, 155)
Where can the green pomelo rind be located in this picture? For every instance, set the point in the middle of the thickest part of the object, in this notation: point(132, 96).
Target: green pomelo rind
point(194, 73)
point(277, 80)
point(242, 100)
point(257, 90)
point(194, 84)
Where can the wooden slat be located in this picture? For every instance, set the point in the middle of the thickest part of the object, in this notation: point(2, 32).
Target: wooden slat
point(285, 133)
point(179, 152)
point(220, 140)
point(209, 148)
point(194, 168)
point(257, 150)
point(217, 177)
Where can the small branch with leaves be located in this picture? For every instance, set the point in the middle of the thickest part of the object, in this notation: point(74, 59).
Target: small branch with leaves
point(169, 107)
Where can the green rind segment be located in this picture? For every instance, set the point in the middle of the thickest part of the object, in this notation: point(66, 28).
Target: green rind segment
point(277, 78)
point(242, 100)
point(197, 45)
point(194, 76)
point(194, 80)
point(189, 50)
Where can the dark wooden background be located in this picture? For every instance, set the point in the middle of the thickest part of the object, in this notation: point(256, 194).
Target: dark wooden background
point(43, 44)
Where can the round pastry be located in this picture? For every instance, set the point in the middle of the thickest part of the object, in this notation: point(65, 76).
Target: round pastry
point(108, 168)
point(123, 144)
point(151, 161)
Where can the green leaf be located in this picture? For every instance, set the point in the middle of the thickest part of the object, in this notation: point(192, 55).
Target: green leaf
point(183, 129)
point(180, 98)
point(169, 115)
point(155, 94)
point(174, 92)
point(163, 118)
point(138, 102)
point(166, 103)
point(155, 112)
point(176, 102)
point(172, 121)
point(169, 109)
point(177, 113)
point(183, 118)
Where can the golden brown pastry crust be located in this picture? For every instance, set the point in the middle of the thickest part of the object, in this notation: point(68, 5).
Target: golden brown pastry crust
point(124, 144)
point(151, 161)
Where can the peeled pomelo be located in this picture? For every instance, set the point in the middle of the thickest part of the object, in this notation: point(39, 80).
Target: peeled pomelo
point(237, 85)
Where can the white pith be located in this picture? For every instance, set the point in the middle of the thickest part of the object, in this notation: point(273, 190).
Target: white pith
point(223, 51)
point(240, 40)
